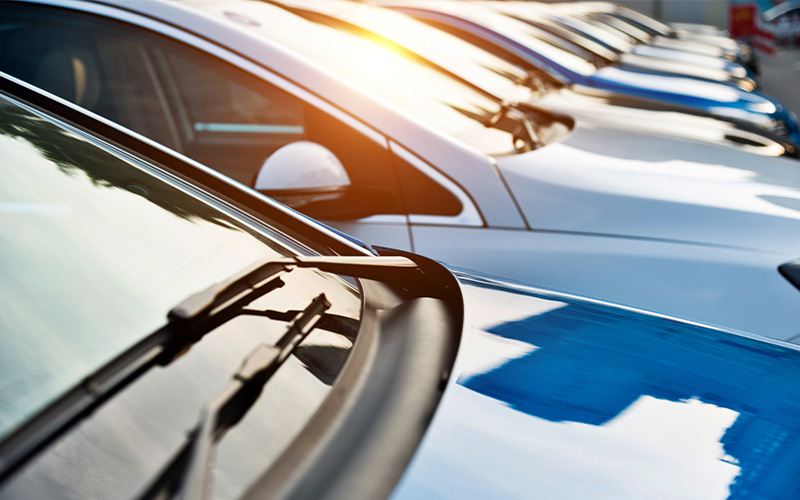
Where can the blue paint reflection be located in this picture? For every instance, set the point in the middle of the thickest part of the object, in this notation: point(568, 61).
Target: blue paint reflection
point(591, 362)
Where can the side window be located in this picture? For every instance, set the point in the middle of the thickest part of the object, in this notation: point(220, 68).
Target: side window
point(233, 121)
point(228, 120)
point(422, 195)
point(108, 74)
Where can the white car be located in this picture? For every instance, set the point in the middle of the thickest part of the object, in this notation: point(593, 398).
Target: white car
point(432, 164)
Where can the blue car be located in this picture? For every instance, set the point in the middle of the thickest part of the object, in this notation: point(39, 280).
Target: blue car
point(519, 41)
point(168, 333)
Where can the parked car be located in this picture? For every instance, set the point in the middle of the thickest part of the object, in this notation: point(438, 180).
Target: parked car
point(513, 83)
point(140, 362)
point(602, 39)
point(783, 22)
point(230, 84)
point(484, 26)
point(686, 36)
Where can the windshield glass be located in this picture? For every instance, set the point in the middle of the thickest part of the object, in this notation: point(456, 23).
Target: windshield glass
point(535, 39)
point(95, 250)
point(441, 101)
point(647, 22)
point(464, 59)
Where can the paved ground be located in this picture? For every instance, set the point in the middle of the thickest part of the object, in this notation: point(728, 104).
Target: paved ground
point(780, 77)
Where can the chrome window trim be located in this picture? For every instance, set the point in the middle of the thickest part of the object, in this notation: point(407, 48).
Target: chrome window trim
point(469, 216)
point(221, 53)
point(397, 219)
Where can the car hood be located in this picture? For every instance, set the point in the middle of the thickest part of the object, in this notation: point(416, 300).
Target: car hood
point(699, 59)
point(610, 110)
point(646, 186)
point(712, 97)
point(555, 397)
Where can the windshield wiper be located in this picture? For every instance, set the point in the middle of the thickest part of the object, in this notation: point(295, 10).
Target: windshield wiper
point(187, 323)
point(523, 131)
point(188, 473)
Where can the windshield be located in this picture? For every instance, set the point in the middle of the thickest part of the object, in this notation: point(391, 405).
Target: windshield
point(645, 21)
point(96, 249)
point(482, 68)
point(437, 99)
point(536, 39)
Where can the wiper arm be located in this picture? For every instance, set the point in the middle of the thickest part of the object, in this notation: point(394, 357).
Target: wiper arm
point(187, 323)
point(188, 473)
point(524, 130)
point(534, 81)
point(363, 267)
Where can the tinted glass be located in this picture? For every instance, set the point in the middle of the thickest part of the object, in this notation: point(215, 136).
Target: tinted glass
point(95, 249)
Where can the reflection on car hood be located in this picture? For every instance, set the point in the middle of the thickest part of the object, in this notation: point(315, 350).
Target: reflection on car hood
point(555, 397)
point(718, 98)
point(610, 110)
point(689, 57)
point(657, 187)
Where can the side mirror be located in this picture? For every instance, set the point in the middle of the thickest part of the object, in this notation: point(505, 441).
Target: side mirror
point(301, 165)
point(308, 177)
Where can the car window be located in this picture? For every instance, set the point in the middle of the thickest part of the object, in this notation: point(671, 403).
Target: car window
point(99, 244)
point(110, 76)
point(96, 247)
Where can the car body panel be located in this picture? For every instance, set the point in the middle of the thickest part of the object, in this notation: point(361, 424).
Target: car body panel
point(645, 272)
point(582, 185)
point(608, 110)
point(586, 402)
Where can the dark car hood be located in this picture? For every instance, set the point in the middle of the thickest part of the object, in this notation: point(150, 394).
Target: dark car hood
point(558, 398)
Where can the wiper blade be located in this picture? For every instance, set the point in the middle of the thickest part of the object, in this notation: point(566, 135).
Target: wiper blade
point(188, 473)
point(187, 323)
point(523, 131)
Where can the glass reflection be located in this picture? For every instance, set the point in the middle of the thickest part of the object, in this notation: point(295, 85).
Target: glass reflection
point(122, 447)
point(94, 250)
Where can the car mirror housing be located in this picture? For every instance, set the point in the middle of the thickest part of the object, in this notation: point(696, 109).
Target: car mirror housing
point(301, 165)
point(308, 177)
